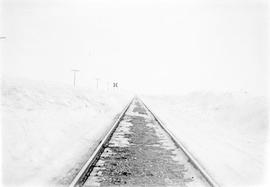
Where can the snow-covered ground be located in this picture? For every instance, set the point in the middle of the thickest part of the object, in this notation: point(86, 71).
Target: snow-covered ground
point(226, 132)
point(49, 130)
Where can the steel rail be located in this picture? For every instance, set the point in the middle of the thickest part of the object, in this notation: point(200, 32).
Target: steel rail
point(85, 171)
point(190, 157)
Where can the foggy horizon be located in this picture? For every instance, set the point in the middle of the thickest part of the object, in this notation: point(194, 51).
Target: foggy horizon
point(147, 46)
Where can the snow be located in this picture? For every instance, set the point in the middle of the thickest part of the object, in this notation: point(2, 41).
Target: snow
point(48, 130)
point(225, 132)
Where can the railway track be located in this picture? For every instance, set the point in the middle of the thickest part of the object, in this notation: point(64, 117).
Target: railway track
point(140, 151)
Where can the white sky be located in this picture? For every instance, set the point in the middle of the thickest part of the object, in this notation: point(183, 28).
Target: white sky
point(146, 46)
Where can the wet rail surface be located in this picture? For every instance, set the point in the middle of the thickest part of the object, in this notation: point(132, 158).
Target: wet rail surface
point(141, 153)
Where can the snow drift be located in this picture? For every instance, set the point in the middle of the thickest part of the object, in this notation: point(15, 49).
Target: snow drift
point(226, 132)
point(48, 131)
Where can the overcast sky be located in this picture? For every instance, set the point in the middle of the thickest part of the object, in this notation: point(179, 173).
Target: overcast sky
point(146, 46)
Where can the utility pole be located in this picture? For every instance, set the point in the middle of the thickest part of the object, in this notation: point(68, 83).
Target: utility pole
point(108, 86)
point(97, 79)
point(74, 76)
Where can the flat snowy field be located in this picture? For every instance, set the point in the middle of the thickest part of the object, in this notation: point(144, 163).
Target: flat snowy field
point(48, 131)
point(225, 132)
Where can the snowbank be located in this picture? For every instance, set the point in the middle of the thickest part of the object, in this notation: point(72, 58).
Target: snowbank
point(48, 131)
point(225, 132)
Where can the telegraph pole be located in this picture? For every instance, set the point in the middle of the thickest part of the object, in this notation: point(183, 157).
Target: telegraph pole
point(97, 79)
point(108, 86)
point(74, 76)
